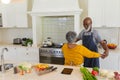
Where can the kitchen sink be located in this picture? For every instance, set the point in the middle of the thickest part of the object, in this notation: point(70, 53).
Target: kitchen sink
point(7, 66)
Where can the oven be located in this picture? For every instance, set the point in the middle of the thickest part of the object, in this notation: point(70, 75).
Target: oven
point(51, 55)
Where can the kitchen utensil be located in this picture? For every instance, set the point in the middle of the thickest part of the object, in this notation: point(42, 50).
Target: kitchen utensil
point(49, 41)
point(47, 70)
point(6, 66)
point(67, 71)
point(111, 46)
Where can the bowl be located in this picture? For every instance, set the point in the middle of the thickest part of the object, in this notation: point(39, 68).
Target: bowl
point(40, 68)
point(43, 70)
point(111, 46)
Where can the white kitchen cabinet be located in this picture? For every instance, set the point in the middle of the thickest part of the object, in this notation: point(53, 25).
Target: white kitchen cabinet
point(119, 63)
point(33, 54)
point(112, 13)
point(15, 14)
point(95, 11)
point(104, 12)
point(111, 62)
point(25, 54)
point(10, 55)
point(21, 54)
point(8, 15)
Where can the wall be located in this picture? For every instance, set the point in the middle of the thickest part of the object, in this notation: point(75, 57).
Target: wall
point(110, 34)
point(7, 35)
point(83, 5)
point(0, 36)
point(29, 8)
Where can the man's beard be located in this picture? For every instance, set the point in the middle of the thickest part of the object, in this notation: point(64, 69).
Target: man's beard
point(88, 29)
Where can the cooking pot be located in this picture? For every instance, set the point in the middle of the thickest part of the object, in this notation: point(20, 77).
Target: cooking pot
point(58, 44)
point(49, 43)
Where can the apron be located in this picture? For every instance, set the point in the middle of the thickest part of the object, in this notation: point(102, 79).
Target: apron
point(87, 41)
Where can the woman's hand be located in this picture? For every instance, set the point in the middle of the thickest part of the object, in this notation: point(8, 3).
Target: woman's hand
point(103, 56)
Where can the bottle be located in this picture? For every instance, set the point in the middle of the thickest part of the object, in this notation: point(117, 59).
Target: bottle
point(16, 70)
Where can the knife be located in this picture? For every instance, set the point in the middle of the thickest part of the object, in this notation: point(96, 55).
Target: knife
point(49, 68)
point(47, 71)
point(54, 69)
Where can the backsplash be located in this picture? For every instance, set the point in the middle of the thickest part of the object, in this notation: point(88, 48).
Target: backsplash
point(7, 35)
point(57, 27)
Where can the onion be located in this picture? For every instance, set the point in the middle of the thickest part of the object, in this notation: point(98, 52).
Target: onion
point(103, 73)
point(110, 75)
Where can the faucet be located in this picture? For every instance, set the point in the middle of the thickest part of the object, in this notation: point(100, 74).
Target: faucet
point(2, 59)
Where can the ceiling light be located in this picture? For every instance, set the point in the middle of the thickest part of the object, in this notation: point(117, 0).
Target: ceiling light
point(5, 1)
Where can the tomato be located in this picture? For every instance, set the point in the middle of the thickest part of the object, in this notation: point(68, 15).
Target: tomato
point(96, 69)
point(37, 69)
point(95, 73)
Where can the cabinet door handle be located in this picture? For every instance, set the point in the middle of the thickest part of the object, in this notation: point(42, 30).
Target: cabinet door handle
point(27, 53)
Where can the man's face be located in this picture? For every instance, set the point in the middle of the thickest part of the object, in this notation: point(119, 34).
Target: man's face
point(87, 23)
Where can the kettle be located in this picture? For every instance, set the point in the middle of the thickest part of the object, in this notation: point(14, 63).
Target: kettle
point(49, 41)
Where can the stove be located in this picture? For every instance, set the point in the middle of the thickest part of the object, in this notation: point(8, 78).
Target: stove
point(53, 46)
point(52, 55)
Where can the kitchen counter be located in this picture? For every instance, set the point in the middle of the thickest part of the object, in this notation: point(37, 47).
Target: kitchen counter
point(15, 45)
point(55, 75)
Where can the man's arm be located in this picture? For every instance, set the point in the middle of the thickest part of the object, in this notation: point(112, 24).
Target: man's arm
point(77, 40)
point(104, 46)
point(80, 36)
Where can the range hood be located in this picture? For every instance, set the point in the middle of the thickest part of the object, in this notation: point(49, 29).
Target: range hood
point(43, 8)
point(55, 6)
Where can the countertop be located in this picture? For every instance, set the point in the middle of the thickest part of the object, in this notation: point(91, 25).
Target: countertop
point(55, 75)
point(2, 44)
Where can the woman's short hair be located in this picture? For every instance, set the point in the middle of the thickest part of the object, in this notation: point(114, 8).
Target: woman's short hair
point(71, 36)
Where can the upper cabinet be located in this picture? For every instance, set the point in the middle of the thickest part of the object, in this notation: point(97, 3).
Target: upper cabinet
point(104, 12)
point(15, 14)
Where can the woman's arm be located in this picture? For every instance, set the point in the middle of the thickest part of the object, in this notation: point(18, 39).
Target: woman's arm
point(88, 53)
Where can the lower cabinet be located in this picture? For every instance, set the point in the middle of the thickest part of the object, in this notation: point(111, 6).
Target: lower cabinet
point(9, 55)
point(112, 62)
point(28, 54)
point(22, 54)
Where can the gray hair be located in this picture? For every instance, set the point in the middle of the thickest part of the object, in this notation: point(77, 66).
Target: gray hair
point(71, 36)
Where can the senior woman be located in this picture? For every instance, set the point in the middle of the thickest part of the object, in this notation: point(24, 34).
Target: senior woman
point(74, 54)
